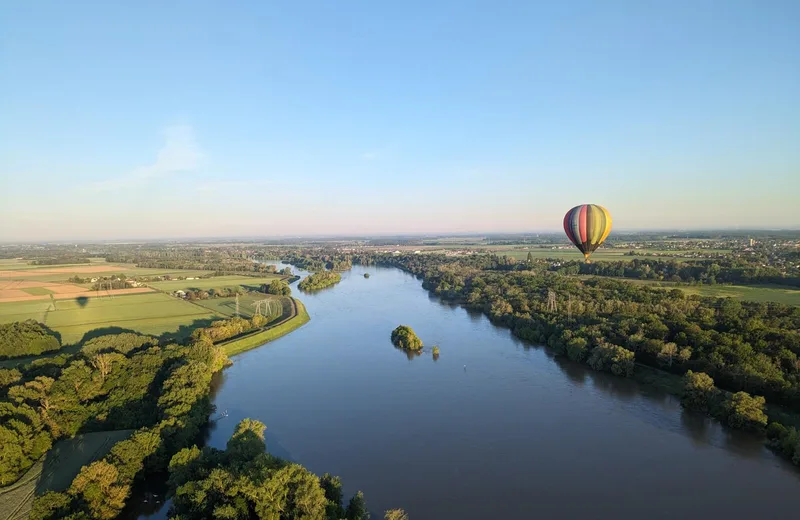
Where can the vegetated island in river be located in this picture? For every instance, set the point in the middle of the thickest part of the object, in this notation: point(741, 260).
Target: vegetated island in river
point(403, 337)
point(319, 280)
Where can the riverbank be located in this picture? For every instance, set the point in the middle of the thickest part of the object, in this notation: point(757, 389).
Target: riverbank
point(297, 319)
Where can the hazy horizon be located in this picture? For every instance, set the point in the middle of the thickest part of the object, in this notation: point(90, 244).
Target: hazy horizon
point(383, 236)
point(191, 119)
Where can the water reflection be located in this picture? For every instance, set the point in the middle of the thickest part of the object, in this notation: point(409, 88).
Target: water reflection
point(696, 425)
point(575, 372)
point(474, 315)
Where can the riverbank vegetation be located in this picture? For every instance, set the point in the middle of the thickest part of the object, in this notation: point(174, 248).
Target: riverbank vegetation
point(157, 399)
point(245, 480)
point(160, 392)
point(404, 337)
point(319, 280)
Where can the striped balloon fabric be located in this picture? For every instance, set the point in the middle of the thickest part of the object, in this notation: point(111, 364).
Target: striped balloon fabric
point(587, 226)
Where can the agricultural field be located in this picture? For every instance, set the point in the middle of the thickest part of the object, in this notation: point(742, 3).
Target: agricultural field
point(227, 306)
point(756, 293)
point(20, 271)
point(56, 471)
point(217, 282)
point(151, 313)
point(27, 290)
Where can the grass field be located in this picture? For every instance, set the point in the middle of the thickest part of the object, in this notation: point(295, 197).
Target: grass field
point(217, 282)
point(240, 345)
point(227, 306)
point(37, 291)
point(149, 313)
point(56, 471)
point(756, 293)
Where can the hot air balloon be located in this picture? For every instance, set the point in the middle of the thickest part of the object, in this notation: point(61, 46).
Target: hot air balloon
point(587, 226)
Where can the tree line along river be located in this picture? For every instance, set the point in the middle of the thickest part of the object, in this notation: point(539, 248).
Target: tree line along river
point(495, 428)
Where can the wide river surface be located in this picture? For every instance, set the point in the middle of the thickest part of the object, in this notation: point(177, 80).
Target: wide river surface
point(493, 429)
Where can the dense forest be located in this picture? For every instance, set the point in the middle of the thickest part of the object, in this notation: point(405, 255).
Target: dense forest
point(26, 338)
point(319, 280)
point(129, 382)
point(317, 260)
point(244, 481)
point(111, 384)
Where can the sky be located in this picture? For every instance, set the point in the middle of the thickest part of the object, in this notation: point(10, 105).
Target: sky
point(150, 119)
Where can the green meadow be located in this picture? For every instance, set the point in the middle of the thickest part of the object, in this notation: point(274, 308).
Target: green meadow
point(217, 282)
point(148, 313)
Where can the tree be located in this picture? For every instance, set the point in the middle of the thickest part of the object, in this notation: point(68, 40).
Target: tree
point(612, 358)
point(698, 391)
point(103, 364)
point(576, 349)
point(9, 376)
point(399, 514)
point(529, 259)
point(247, 442)
point(332, 486)
point(286, 271)
point(37, 392)
point(278, 287)
point(258, 321)
point(183, 388)
point(97, 485)
point(129, 455)
point(51, 505)
point(746, 411)
point(667, 354)
point(357, 508)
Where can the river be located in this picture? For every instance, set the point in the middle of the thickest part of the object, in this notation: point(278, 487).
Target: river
point(493, 429)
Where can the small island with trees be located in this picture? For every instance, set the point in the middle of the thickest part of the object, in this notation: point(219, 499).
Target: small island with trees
point(319, 280)
point(403, 337)
point(366, 275)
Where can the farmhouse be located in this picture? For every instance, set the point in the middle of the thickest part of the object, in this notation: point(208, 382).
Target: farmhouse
point(180, 294)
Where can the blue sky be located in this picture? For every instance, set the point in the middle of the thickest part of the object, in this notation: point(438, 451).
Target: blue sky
point(169, 119)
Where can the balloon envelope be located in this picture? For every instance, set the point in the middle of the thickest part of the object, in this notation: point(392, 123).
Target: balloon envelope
point(587, 226)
